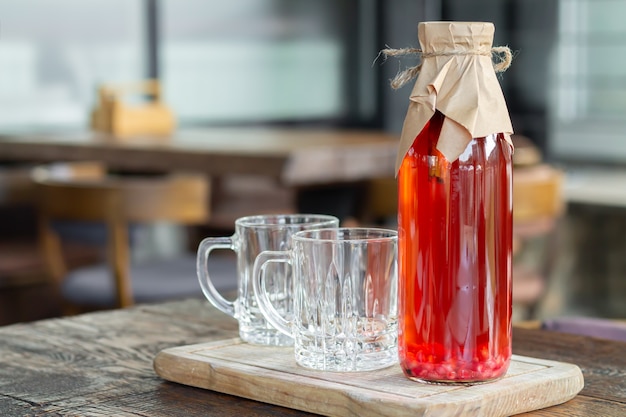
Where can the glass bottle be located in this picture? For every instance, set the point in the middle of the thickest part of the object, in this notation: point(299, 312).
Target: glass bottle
point(455, 249)
point(455, 208)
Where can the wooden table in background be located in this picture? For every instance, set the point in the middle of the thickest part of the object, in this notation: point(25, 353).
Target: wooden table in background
point(101, 364)
point(294, 156)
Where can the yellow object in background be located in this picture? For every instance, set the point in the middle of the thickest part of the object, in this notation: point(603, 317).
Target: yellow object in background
point(122, 119)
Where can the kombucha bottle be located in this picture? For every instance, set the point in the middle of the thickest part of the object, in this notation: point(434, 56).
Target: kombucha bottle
point(455, 225)
point(455, 232)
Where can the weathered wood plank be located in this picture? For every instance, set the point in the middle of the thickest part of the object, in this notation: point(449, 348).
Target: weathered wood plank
point(167, 400)
point(69, 363)
point(232, 366)
point(603, 362)
point(11, 407)
point(582, 406)
point(296, 156)
point(101, 364)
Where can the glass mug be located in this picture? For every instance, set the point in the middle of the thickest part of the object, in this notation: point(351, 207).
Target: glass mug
point(254, 234)
point(344, 316)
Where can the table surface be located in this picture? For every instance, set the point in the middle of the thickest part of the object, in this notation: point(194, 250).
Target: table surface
point(101, 364)
point(596, 186)
point(294, 156)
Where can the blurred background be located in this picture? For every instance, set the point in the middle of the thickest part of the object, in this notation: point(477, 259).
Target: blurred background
point(308, 63)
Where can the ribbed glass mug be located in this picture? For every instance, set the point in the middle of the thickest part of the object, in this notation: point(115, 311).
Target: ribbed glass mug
point(253, 235)
point(345, 298)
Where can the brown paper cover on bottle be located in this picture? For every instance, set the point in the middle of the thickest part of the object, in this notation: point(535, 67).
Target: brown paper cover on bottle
point(461, 83)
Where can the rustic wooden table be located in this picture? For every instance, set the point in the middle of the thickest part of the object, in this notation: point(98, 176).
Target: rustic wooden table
point(298, 167)
point(101, 364)
point(296, 157)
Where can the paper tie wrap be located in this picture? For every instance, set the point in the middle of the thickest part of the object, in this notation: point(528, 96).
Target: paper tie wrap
point(456, 77)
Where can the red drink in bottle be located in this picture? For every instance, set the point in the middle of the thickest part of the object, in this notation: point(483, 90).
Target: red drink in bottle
point(455, 240)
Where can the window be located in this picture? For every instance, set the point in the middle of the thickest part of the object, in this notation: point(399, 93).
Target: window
point(589, 81)
point(244, 61)
point(54, 53)
point(252, 60)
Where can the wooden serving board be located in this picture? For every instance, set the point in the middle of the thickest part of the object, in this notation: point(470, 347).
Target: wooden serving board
point(271, 375)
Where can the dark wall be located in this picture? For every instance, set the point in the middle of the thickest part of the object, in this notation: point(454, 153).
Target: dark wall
point(529, 28)
point(399, 19)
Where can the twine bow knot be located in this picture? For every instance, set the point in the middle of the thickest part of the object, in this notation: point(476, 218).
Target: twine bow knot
point(503, 57)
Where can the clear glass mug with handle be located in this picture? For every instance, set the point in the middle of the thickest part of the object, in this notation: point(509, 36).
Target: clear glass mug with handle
point(253, 235)
point(344, 314)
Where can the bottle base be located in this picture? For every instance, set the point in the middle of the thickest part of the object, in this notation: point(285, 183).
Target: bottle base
point(454, 383)
point(469, 374)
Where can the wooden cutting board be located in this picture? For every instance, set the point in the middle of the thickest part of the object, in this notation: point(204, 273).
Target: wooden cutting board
point(271, 375)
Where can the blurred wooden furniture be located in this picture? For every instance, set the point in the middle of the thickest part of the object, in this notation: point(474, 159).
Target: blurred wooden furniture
point(22, 270)
point(293, 157)
point(236, 196)
point(588, 326)
point(24, 282)
point(85, 192)
point(20, 263)
point(101, 364)
point(526, 152)
point(596, 186)
point(293, 160)
point(117, 117)
point(381, 201)
point(538, 204)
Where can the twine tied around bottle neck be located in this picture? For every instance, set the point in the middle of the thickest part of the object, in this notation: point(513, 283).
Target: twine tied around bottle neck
point(502, 54)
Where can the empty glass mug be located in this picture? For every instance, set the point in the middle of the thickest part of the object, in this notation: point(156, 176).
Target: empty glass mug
point(344, 316)
point(254, 234)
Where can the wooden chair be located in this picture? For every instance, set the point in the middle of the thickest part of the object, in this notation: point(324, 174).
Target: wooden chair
point(20, 261)
point(85, 192)
point(23, 279)
point(381, 202)
point(25, 286)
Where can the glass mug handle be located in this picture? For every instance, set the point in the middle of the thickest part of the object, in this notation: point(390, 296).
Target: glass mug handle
point(260, 293)
point(208, 289)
